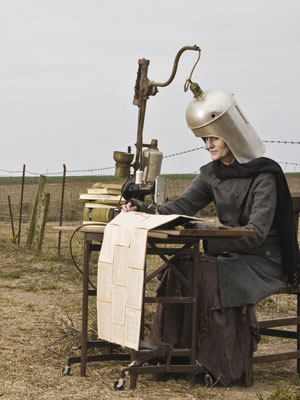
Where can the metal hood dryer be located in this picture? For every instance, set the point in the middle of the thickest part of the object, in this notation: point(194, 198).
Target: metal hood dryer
point(215, 113)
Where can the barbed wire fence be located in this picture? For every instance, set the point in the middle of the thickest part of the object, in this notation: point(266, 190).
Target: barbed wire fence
point(65, 186)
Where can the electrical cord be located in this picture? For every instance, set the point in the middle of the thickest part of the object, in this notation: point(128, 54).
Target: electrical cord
point(71, 250)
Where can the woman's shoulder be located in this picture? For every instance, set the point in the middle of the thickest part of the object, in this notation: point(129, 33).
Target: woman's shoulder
point(207, 169)
point(265, 176)
point(207, 176)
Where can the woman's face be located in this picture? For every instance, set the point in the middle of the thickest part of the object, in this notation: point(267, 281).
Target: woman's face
point(219, 150)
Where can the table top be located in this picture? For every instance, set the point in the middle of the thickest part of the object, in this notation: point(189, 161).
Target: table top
point(217, 232)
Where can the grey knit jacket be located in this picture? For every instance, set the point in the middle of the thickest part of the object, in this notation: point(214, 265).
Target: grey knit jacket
point(250, 267)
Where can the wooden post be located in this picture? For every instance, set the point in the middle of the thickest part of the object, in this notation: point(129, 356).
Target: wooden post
point(11, 218)
point(39, 191)
point(21, 205)
point(41, 216)
point(61, 207)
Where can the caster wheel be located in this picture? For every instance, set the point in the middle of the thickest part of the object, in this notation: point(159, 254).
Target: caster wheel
point(66, 371)
point(208, 380)
point(120, 384)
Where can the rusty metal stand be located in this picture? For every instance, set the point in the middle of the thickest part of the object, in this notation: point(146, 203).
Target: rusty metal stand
point(147, 352)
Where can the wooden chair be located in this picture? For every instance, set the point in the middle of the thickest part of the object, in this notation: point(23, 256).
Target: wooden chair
point(266, 327)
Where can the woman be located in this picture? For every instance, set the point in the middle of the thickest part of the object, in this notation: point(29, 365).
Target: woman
point(234, 274)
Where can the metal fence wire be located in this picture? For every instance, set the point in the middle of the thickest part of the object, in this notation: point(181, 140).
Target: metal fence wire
point(65, 207)
point(10, 202)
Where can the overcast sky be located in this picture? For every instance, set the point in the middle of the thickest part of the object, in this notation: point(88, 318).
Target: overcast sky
point(68, 69)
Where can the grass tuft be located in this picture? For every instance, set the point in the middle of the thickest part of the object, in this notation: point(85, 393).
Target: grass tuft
point(284, 391)
point(10, 275)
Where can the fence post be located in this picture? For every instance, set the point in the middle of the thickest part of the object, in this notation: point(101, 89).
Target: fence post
point(41, 216)
point(11, 218)
point(21, 205)
point(61, 207)
point(39, 191)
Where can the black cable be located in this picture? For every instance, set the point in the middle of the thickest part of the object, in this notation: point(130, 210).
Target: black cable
point(71, 250)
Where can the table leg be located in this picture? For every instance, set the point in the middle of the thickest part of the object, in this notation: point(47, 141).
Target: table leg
point(194, 309)
point(85, 302)
point(133, 376)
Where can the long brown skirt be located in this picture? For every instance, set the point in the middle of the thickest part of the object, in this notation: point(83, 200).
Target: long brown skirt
point(226, 337)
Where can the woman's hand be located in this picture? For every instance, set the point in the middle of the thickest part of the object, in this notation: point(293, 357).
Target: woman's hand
point(128, 207)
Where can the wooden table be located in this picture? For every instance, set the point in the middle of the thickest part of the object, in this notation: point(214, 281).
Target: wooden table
point(189, 239)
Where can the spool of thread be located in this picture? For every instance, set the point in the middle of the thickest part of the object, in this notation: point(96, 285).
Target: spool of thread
point(138, 177)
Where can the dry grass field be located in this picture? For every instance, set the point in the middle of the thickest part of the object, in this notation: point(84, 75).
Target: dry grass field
point(40, 322)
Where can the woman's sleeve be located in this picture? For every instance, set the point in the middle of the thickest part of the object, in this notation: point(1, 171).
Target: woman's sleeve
point(260, 220)
point(196, 197)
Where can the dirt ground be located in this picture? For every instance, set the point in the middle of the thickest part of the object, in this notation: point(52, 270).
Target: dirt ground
point(40, 322)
